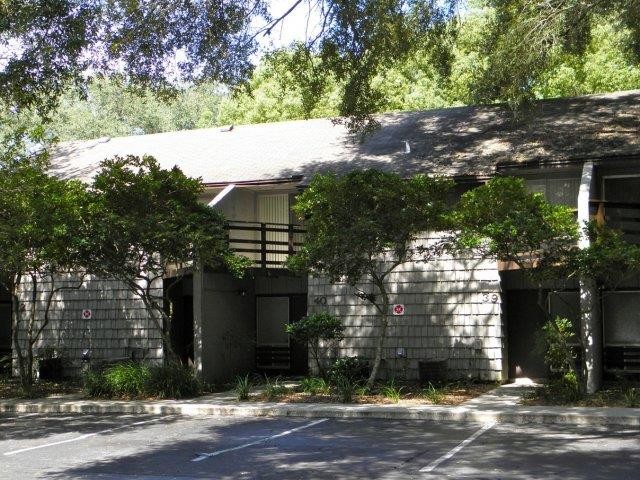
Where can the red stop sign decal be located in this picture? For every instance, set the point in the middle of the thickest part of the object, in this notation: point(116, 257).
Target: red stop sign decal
point(398, 309)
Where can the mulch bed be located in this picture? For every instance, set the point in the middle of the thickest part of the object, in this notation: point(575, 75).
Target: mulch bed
point(453, 394)
point(611, 395)
point(10, 388)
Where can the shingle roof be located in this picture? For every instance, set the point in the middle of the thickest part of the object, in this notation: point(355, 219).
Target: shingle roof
point(451, 141)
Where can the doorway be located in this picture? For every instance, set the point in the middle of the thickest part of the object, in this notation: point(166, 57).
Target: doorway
point(275, 351)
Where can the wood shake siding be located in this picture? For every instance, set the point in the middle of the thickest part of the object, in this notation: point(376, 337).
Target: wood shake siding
point(119, 328)
point(453, 312)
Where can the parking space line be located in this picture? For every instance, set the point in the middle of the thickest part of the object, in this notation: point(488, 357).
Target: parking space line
point(86, 435)
point(433, 465)
point(204, 456)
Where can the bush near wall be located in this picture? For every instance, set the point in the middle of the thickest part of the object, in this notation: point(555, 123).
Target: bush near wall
point(135, 380)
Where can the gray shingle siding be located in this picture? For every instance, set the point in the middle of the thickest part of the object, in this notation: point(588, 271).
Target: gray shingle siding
point(119, 325)
point(453, 312)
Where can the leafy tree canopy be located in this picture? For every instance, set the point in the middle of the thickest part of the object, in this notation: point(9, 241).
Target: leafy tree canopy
point(45, 45)
point(502, 219)
point(354, 221)
point(368, 56)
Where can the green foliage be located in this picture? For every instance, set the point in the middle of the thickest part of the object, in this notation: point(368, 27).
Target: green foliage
point(242, 387)
point(60, 42)
point(347, 388)
point(127, 379)
point(391, 391)
point(556, 334)
point(632, 397)
point(146, 220)
point(135, 380)
point(172, 381)
point(42, 234)
point(315, 328)
point(315, 386)
point(563, 389)
point(5, 365)
point(351, 221)
point(608, 259)
point(528, 50)
point(274, 388)
point(502, 219)
point(353, 368)
point(433, 394)
point(95, 385)
point(112, 109)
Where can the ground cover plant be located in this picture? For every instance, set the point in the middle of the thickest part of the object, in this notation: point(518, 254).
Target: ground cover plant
point(612, 394)
point(345, 389)
point(135, 380)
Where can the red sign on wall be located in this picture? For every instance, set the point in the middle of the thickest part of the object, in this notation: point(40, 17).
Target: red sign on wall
point(398, 309)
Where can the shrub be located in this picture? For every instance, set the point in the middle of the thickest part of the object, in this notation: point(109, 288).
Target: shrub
point(391, 391)
point(127, 379)
point(242, 387)
point(5, 364)
point(315, 386)
point(172, 381)
point(95, 385)
point(136, 380)
point(273, 387)
point(346, 387)
point(433, 394)
point(556, 336)
point(353, 368)
point(315, 328)
point(563, 389)
point(632, 397)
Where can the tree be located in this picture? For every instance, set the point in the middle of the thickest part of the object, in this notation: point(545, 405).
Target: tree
point(355, 220)
point(316, 328)
point(113, 109)
point(148, 222)
point(501, 219)
point(527, 39)
point(42, 236)
point(45, 46)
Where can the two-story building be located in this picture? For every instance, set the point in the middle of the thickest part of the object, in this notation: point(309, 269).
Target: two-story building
point(476, 316)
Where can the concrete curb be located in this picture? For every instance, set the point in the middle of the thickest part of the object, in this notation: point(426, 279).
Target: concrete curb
point(515, 415)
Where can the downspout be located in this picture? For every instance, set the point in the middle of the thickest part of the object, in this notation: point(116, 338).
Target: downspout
point(590, 318)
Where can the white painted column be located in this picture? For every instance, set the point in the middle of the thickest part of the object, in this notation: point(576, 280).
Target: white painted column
point(590, 317)
point(198, 305)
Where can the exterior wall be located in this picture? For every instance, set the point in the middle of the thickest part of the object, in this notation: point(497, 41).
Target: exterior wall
point(119, 328)
point(226, 326)
point(225, 319)
point(453, 312)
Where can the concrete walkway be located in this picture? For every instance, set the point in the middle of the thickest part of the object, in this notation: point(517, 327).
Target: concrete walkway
point(499, 405)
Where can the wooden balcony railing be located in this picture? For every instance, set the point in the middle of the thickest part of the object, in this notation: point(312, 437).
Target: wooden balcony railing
point(267, 244)
point(621, 216)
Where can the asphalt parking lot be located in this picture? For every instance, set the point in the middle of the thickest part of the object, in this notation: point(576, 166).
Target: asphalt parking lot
point(170, 447)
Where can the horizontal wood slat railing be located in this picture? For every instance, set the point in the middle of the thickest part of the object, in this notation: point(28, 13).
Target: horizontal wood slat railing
point(267, 244)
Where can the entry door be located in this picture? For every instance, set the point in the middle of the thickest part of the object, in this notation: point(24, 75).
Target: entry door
point(272, 316)
point(524, 324)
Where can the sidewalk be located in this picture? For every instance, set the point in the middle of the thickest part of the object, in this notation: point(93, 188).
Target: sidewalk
point(499, 405)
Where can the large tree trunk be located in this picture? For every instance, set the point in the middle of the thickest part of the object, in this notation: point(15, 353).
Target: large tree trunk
point(591, 335)
point(384, 323)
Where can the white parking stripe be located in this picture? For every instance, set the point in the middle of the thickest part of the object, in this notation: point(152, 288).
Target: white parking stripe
point(433, 465)
point(82, 437)
point(204, 456)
